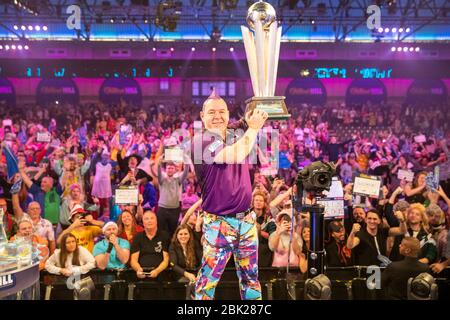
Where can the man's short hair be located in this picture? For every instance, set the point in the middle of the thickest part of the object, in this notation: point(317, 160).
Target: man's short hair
point(401, 205)
point(413, 244)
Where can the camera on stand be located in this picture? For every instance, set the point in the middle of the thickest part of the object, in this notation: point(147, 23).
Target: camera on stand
point(311, 182)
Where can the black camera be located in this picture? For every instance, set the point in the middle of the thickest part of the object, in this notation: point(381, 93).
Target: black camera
point(316, 177)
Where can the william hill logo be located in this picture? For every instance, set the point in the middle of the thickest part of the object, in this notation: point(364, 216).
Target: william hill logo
point(7, 281)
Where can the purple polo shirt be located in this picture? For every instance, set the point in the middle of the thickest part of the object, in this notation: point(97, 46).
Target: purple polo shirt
point(226, 188)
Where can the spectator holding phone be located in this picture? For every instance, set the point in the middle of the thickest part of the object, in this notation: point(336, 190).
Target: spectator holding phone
point(150, 248)
point(83, 227)
point(280, 239)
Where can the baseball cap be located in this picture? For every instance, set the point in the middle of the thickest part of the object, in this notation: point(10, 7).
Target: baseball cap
point(77, 209)
point(335, 226)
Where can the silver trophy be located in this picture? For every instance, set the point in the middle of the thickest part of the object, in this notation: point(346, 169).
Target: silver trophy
point(262, 47)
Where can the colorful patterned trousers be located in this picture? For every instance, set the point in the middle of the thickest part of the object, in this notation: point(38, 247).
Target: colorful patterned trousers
point(225, 236)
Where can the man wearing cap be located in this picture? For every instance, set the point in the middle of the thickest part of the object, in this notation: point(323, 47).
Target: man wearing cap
point(112, 252)
point(83, 227)
point(229, 225)
point(338, 255)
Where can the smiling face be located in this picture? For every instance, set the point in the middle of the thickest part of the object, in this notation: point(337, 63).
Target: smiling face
point(127, 219)
point(359, 214)
point(215, 115)
point(183, 236)
point(25, 229)
point(306, 233)
point(414, 216)
point(372, 221)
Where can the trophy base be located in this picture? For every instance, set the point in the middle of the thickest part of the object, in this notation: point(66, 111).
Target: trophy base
point(274, 106)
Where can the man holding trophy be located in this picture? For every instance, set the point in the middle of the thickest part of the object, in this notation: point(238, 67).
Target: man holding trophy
point(222, 167)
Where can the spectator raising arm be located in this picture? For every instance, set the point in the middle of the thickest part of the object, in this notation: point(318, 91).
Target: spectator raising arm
point(190, 211)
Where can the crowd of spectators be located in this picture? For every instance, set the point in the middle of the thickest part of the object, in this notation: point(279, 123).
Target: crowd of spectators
point(62, 191)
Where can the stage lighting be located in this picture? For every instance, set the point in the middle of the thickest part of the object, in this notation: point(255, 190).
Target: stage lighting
point(19, 47)
point(6, 47)
point(124, 20)
point(154, 49)
point(318, 288)
point(214, 49)
point(23, 28)
point(393, 49)
point(112, 20)
point(193, 49)
point(231, 49)
point(26, 47)
point(1, 47)
point(394, 30)
point(399, 49)
point(422, 287)
point(313, 21)
point(45, 28)
point(386, 30)
point(417, 49)
point(37, 28)
point(16, 27)
point(13, 47)
point(400, 30)
point(30, 28)
point(405, 49)
point(408, 30)
point(380, 29)
point(411, 49)
point(172, 49)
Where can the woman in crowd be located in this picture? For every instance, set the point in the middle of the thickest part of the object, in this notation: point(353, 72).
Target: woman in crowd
point(70, 259)
point(184, 254)
point(416, 191)
point(128, 226)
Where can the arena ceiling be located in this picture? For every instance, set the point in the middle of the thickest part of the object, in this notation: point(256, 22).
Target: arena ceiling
point(220, 20)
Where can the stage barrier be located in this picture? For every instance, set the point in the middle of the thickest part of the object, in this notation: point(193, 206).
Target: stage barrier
point(348, 283)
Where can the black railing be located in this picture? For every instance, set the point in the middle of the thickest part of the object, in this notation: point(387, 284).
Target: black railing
point(348, 283)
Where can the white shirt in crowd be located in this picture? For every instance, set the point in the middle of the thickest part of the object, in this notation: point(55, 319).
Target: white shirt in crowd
point(86, 258)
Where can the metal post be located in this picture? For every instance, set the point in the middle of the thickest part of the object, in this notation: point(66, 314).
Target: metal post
point(107, 291)
point(269, 287)
point(316, 251)
point(48, 292)
point(131, 287)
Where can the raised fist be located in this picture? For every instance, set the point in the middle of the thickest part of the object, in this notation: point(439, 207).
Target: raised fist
point(356, 227)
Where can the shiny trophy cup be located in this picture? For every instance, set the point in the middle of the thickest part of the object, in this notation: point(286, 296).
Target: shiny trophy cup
point(262, 47)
